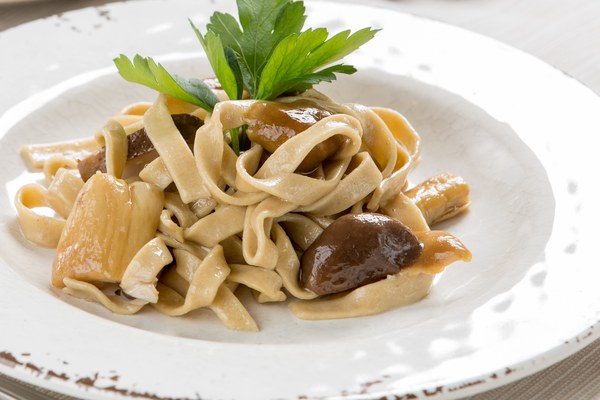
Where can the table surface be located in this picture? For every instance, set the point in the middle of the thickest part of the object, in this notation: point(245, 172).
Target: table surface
point(563, 34)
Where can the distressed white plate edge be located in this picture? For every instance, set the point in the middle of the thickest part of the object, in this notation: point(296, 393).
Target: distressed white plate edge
point(522, 368)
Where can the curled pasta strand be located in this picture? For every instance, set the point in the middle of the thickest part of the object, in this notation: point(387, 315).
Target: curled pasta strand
point(288, 265)
point(207, 276)
point(246, 165)
point(115, 303)
point(63, 191)
point(209, 150)
point(156, 172)
point(175, 208)
point(187, 264)
point(404, 210)
point(292, 187)
point(190, 247)
point(232, 313)
point(174, 151)
point(232, 247)
point(389, 187)
point(292, 152)
point(36, 155)
point(299, 228)
point(168, 227)
point(393, 144)
point(377, 139)
point(138, 108)
point(54, 163)
point(202, 207)
point(209, 231)
point(363, 178)
point(262, 280)
point(114, 139)
point(229, 173)
point(130, 123)
point(276, 176)
point(374, 298)
point(401, 129)
point(42, 230)
point(258, 247)
point(140, 277)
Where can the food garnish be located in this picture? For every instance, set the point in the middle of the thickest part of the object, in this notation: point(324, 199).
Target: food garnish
point(250, 181)
point(267, 56)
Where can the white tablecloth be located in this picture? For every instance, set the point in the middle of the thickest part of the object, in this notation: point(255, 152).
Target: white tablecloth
point(565, 34)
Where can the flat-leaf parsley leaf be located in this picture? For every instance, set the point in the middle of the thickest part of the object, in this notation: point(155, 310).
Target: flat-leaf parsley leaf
point(265, 54)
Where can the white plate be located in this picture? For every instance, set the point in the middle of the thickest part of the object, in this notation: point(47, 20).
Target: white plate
point(518, 130)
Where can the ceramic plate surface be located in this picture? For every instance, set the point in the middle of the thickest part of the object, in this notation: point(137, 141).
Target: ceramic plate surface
point(519, 131)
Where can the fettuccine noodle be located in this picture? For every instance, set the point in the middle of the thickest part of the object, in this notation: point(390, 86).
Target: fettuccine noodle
point(195, 223)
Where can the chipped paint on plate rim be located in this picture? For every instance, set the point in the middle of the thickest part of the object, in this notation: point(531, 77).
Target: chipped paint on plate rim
point(485, 111)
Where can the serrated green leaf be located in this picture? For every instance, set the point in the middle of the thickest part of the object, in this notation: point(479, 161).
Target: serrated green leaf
point(307, 81)
point(145, 71)
point(233, 61)
point(263, 25)
point(298, 58)
point(198, 89)
point(227, 28)
point(266, 53)
point(289, 60)
point(341, 45)
point(220, 62)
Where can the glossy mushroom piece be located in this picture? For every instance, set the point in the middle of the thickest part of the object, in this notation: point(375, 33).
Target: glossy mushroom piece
point(270, 124)
point(138, 144)
point(355, 250)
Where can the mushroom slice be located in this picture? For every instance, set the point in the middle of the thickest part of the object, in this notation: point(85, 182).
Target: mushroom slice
point(110, 221)
point(355, 250)
point(138, 144)
point(270, 124)
point(441, 197)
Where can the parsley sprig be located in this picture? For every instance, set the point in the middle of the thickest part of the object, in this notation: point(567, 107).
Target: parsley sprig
point(145, 71)
point(266, 54)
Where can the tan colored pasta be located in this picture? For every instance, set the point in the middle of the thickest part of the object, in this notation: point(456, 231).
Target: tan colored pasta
point(156, 172)
point(222, 223)
point(62, 191)
point(407, 286)
point(114, 138)
point(214, 221)
point(115, 303)
point(206, 278)
point(141, 275)
point(40, 229)
point(394, 291)
point(36, 155)
point(232, 312)
point(288, 265)
point(53, 164)
point(174, 152)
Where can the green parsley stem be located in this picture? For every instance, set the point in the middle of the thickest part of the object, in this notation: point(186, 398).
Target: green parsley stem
point(235, 140)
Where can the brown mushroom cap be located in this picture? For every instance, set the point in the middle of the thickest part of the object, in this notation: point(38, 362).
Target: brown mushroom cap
point(270, 124)
point(355, 250)
point(138, 144)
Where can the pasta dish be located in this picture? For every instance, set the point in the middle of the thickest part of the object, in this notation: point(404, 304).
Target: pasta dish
point(313, 206)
